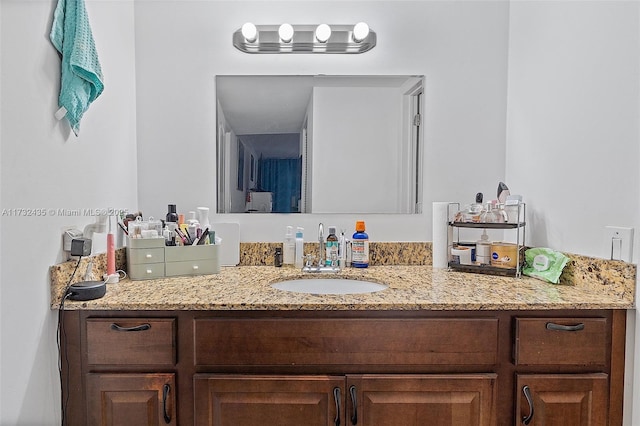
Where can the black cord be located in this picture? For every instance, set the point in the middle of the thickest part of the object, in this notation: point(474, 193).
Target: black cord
point(64, 399)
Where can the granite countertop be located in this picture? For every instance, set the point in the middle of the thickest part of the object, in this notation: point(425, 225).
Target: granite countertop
point(410, 288)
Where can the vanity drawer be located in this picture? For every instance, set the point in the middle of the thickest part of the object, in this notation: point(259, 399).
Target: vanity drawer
point(143, 256)
point(131, 341)
point(192, 260)
point(191, 267)
point(358, 342)
point(180, 254)
point(561, 341)
point(146, 271)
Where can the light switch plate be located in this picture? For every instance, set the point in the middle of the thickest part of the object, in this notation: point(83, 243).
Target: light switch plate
point(618, 243)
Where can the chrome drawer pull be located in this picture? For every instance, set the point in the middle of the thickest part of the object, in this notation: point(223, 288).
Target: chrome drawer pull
point(560, 327)
point(141, 327)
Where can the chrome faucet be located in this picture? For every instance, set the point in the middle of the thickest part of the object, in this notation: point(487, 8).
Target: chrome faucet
point(321, 266)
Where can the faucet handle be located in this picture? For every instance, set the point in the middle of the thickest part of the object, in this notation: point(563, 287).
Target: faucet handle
point(308, 260)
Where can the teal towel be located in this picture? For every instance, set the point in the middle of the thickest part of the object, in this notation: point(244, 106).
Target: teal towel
point(82, 80)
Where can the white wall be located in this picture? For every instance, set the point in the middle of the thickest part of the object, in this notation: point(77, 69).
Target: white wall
point(573, 130)
point(44, 166)
point(459, 46)
point(349, 175)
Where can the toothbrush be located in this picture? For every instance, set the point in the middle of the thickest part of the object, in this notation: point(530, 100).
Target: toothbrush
point(111, 252)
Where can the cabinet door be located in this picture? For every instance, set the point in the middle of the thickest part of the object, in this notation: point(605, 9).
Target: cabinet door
point(562, 399)
point(418, 400)
point(236, 400)
point(131, 399)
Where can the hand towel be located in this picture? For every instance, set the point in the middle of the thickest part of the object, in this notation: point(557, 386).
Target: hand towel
point(81, 74)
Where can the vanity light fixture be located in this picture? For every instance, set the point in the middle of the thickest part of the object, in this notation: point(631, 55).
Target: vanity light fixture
point(287, 38)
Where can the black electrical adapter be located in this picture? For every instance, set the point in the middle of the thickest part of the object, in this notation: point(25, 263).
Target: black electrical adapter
point(81, 247)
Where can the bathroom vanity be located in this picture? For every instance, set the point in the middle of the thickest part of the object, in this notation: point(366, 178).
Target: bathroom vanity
point(440, 347)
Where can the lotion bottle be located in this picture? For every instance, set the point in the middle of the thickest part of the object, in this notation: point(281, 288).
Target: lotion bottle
point(299, 252)
point(289, 247)
point(483, 249)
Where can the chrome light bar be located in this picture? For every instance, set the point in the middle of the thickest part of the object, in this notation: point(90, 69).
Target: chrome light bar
point(305, 38)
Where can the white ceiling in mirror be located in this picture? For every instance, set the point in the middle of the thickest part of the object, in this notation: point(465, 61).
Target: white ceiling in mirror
point(279, 105)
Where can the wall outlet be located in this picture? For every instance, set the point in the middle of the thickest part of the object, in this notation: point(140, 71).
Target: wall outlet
point(618, 243)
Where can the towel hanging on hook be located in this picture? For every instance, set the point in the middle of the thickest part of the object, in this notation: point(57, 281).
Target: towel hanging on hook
point(81, 73)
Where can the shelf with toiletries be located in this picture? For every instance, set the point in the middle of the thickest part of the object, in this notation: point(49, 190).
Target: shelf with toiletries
point(485, 255)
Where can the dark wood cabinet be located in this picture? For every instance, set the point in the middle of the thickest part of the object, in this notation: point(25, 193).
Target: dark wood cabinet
point(234, 400)
point(359, 367)
point(130, 399)
point(390, 400)
point(563, 399)
point(416, 400)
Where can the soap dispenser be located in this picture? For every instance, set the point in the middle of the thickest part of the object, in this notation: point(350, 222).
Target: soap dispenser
point(289, 247)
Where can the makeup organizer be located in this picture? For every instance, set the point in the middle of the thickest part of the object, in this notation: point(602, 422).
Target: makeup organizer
point(149, 258)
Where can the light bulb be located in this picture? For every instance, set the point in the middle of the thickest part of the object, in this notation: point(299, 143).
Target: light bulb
point(323, 32)
point(360, 31)
point(286, 33)
point(249, 32)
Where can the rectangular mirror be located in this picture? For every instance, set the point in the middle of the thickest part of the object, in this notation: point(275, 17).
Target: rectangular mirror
point(319, 144)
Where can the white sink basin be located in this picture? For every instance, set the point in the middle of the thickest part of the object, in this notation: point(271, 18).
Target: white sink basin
point(329, 286)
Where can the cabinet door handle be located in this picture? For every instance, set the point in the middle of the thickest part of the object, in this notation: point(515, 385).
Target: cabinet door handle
point(141, 327)
point(527, 394)
point(165, 393)
point(354, 402)
point(336, 398)
point(560, 327)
